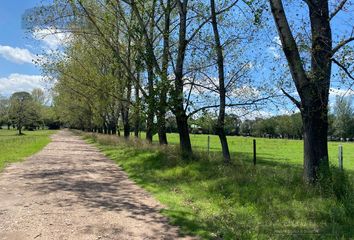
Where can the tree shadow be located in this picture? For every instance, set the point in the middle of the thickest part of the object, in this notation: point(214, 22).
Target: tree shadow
point(268, 200)
point(94, 184)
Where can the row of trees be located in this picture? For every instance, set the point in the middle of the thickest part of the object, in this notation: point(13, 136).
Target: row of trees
point(145, 60)
point(284, 126)
point(27, 110)
point(340, 124)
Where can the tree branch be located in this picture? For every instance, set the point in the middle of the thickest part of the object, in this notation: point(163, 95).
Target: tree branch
point(208, 19)
point(230, 105)
point(310, 3)
point(108, 42)
point(342, 44)
point(337, 9)
point(343, 68)
point(290, 47)
point(295, 101)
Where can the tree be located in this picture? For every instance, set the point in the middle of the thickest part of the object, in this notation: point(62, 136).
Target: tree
point(343, 121)
point(39, 100)
point(38, 96)
point(232, 124)
point(138, 57)
point(4, 112)
point(312, 83)
point(22, 110)
point(220, 127)
point(247, 127)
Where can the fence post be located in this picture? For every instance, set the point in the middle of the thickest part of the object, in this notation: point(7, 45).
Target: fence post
point(208, 144)
point(254, 152)
point(340, 157)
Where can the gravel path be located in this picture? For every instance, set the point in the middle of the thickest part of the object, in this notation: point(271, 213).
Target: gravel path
point(70, 190)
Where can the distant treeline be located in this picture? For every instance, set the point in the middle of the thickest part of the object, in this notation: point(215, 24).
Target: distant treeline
point(340, 127)
point(28, 111)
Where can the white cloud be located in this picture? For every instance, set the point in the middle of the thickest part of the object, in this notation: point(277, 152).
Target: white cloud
point(340, 92)
point(276, 39)
point(275, 50)
point(245, 92)
point(288, 111)
point(20, 82)
point(51, 37)
point(17, 55)
point(250, 114)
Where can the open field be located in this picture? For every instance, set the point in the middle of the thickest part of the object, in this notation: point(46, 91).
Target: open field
point(239, 201)
point(283, 151)
point(14, 147)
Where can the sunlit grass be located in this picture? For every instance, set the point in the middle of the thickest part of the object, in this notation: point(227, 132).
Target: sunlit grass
point(14, 148)
point(240, 201)
point(285, 151)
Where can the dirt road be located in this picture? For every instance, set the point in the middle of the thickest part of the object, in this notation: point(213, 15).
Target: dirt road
point(69, 190)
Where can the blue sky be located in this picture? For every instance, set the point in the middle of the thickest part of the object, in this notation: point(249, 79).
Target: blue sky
point(18, 49)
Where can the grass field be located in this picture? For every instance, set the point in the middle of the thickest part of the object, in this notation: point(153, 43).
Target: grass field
point(240, 201)
point(14, 148)
point(271, 151)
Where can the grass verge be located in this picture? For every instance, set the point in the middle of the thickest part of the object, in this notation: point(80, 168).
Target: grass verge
point(274, 150)
point(14, 147)
point(240, 201)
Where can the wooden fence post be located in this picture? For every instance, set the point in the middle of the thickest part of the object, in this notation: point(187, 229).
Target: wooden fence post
point(208, 144)
point(254, 152)
point(340, 157)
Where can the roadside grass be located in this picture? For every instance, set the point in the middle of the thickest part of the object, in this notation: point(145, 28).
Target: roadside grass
point(206, 198)
point(15, 148)
point(284, 151)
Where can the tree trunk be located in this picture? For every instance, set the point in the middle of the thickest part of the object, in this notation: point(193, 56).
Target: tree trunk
point(114, 130)
point(224, 146)
point(126, 111)
point(136, 128)
point(315, 142)
point(161, 118)
point(126, 130)
point(151, 106)
point(137, 107)
point(313, 85)
point(151, 76)
point(181, 117)
point(220, 128)
point(185, 142)
point(125, 119)
point(161, 122)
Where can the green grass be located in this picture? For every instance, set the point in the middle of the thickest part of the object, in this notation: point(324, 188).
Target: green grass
point(282, 151)
point(15, 148)
point(269, 201)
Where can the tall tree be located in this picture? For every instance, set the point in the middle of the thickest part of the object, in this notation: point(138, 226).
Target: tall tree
point(344, 114)
point(4, 112)
point(220, 128)
point(312, 85)
point(22, 110)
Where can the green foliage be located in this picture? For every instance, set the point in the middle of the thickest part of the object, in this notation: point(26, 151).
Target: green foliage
point(206, 123)
point(23, 111)
point(289, 126)
point(50, 118)
point(15, 148)
point(4, 111)
point(238, 201)
point(344, 117)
